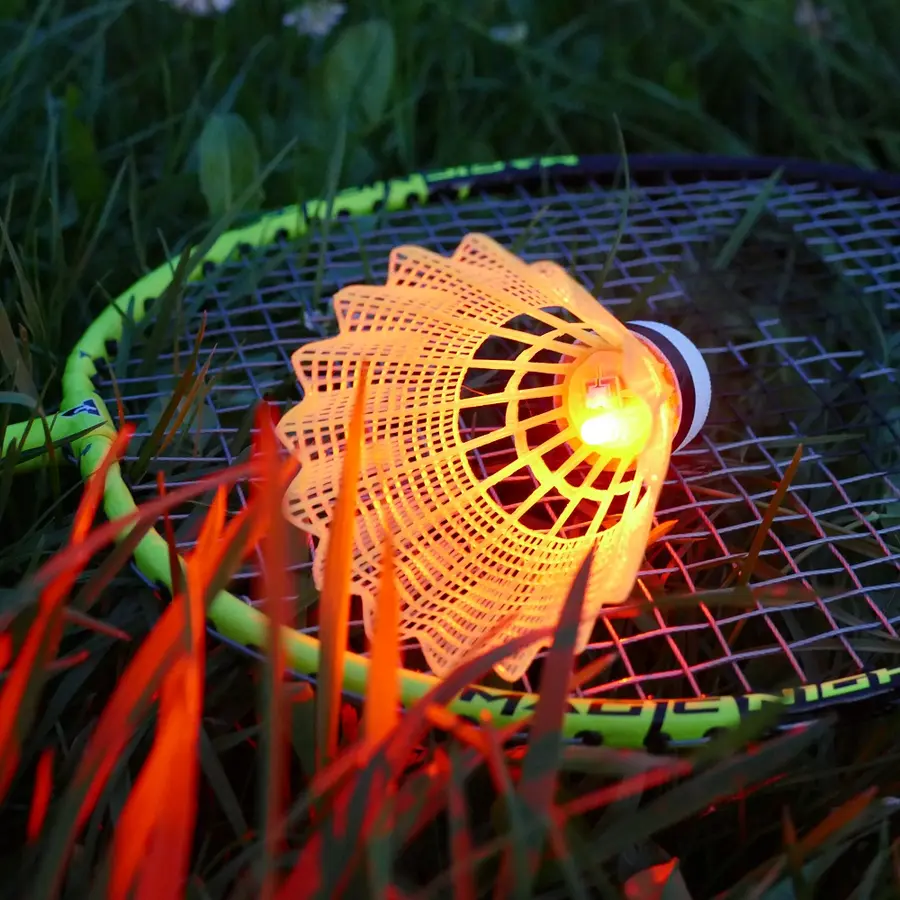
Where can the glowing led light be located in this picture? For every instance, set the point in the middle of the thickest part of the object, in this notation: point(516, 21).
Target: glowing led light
point(622, 432)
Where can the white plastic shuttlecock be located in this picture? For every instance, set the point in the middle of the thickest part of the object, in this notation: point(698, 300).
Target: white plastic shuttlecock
point(495, 469)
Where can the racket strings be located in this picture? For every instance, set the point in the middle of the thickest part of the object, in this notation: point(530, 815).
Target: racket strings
point(787, 369)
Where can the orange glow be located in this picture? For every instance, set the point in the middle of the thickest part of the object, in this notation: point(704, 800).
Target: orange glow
point(277, 588)
point(609, 413)
point(621, 432)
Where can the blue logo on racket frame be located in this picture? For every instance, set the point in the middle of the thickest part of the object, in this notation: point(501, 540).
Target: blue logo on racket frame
point(85, 408)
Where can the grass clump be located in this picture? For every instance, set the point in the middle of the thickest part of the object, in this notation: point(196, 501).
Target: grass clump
point(159, 796)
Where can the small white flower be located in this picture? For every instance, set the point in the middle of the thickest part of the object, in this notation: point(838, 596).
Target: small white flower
point(516, 33)
point(316, 18)
point(202, 7)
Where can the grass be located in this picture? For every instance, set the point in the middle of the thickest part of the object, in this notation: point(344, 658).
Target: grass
point(129, 129)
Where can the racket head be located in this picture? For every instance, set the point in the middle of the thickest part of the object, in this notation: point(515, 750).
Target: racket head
point(788, 370)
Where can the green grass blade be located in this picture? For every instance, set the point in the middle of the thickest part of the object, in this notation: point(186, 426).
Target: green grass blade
point(610, 260)
point(747, 223)
point(184, 389)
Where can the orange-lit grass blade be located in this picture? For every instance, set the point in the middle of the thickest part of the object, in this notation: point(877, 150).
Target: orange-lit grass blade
point(98, 626)
point(382, 708)
point(793, 857)
point(6, 650)
point(111, 565)
point(162, 805)
point(836, 821)
point(166, 869)
point(745, 572)
point(334, 781)
point(505, 788)
point(658, 532)
point(421, 715)
point(592, 670)
point(334, 599)
point(156, 811)
point(667, 770)
point(465, 733)
point(838, 824)
point(25, 681)
point(95, 485)
point(43, 785)
point(108, 532)
point(154, 843)
point(134, 694)
point(768, 519)
point(663, 881)
point(426, 713)
point(274, 546)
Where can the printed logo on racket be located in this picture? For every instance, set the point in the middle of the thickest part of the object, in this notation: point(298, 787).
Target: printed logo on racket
point(85, 408)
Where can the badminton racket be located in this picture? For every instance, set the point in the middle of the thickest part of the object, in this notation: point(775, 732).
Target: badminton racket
point(795, 318)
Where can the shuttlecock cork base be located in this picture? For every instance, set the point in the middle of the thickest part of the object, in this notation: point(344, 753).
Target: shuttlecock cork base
point(690, 372)
point(586, 411)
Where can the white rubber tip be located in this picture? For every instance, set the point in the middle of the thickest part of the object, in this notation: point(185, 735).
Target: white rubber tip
point(690, 371)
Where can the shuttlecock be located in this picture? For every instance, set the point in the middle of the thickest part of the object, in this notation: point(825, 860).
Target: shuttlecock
point(580, 419)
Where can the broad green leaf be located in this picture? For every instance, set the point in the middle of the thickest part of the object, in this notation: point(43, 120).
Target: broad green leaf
point(229, 163)
point(359, 71)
